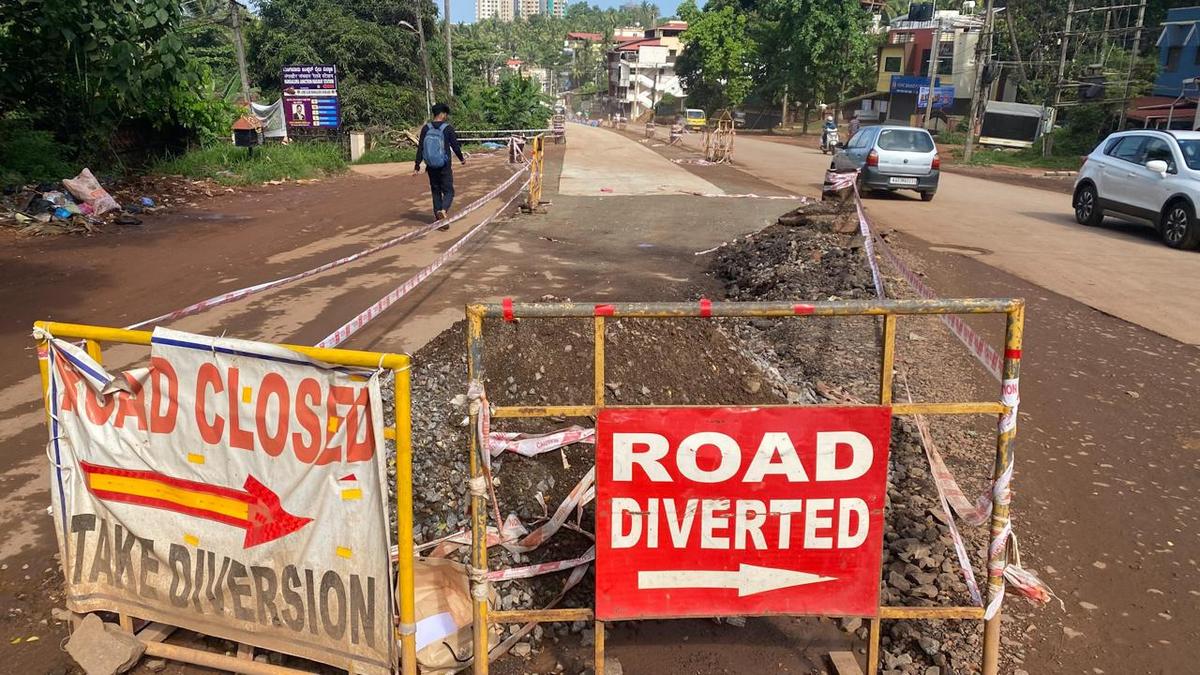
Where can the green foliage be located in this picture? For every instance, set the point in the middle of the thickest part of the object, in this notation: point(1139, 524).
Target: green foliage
point(716, 64)
point(231, 165)
point(84, 69)
point(480, 47)
point(819, 49)
point(380, 76)
point(1029, 158)
point(516, 103)
point(31, 156)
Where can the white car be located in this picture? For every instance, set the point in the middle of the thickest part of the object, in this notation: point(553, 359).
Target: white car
point(1144, 175)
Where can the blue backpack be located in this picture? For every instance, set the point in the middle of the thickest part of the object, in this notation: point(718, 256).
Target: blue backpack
point(434, 149)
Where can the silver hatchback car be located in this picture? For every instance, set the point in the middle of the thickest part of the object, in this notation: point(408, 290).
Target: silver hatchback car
point(892, 158)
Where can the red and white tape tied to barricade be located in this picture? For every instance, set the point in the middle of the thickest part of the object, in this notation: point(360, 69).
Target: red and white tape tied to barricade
point(531, 445)
point(835, 180)
point(1001, 566)
point(352, 326)
point(241, 293)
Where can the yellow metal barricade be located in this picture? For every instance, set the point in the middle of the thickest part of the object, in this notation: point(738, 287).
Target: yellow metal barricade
point(400, 432)
point(718, 140)
point(889, 310)
point(537, 167)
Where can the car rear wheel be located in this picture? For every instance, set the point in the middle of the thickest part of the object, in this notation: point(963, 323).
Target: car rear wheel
point(1087, 206)
point(1179, 228)
point(927, 196)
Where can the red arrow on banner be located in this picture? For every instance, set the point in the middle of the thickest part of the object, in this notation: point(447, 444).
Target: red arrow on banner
point(254, 508)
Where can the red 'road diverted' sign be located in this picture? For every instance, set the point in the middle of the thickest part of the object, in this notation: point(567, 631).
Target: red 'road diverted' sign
point(739, 511)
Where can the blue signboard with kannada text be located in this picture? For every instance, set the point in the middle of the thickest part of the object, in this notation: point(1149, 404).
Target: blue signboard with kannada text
point(310, 96)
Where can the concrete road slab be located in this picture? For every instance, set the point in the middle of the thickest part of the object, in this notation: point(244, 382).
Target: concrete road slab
point(600, 162)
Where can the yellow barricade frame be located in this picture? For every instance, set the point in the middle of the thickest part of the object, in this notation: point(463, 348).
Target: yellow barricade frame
point(1013, 309)
point(400, 432)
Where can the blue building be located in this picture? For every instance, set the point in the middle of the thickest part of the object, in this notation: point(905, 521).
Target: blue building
point(1178, 52)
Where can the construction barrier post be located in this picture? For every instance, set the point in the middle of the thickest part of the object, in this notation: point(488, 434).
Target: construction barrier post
point(404, 521)
point(537, 163)
point(1001, 487)
point(479, 554)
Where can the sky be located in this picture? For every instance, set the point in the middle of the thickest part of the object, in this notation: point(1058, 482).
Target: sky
point(464, 10)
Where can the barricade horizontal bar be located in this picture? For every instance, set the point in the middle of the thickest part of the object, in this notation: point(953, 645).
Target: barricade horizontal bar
point(541, 615)
point(232, 664)
point(663, 310)
point(973, 408)
point(544, 411)
point(463, 132)
point(344, 357)
point(931, 612)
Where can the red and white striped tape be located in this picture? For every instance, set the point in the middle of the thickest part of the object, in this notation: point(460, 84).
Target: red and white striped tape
point(531, 445)
point(949, 492)
point(241, 293)
point(352, 326)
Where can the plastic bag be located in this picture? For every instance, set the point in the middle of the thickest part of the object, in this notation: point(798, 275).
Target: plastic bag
point(87, 189)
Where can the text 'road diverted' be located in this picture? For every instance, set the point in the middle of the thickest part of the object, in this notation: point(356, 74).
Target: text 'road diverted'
point(739, 511)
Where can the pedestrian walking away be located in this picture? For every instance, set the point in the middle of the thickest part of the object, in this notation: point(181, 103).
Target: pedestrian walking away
point(855, 125)
point(437, 141)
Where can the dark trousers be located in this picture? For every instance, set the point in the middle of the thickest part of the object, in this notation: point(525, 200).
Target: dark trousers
point(441, 184)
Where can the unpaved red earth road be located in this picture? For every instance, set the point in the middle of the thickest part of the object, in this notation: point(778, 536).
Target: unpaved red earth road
point(1108, 444)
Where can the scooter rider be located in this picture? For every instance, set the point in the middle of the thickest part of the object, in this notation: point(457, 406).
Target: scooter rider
point(830, 125)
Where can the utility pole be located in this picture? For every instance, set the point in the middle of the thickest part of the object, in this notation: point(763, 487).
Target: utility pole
point(235, 13)
point(1048, 144)
point(934, 52)
point(983, 50)
point(449, 51)
point(424, 62)
point(1137, 42)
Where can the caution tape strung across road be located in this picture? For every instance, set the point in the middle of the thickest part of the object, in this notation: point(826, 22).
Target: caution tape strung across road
point(352, 326)
point(241, 293)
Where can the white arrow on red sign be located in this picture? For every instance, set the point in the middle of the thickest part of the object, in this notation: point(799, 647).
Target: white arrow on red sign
point(747, 579)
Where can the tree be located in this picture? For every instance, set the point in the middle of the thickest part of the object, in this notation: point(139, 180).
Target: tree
point(716, 63)
point(83, 70)
point(380, 78)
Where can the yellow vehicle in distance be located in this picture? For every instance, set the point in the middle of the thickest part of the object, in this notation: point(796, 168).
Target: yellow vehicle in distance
point(695, 118)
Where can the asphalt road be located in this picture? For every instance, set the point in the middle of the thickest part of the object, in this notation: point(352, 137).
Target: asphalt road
point(1119, 268)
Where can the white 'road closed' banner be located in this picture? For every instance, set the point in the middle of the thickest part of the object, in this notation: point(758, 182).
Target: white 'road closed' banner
point(234, 488)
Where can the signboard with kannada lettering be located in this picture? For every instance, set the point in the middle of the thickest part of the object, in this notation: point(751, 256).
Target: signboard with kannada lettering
point(310, 97)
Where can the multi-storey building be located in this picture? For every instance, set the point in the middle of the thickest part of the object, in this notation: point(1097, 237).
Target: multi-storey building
point(494, 9)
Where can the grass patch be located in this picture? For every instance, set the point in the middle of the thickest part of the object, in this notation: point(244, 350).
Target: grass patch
point(1027, 158)
point(231, 165)
point(29, 156)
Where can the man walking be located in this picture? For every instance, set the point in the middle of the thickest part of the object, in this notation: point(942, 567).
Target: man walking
point(434, 147)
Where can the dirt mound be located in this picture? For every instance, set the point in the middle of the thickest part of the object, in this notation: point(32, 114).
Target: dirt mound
point(841, 355)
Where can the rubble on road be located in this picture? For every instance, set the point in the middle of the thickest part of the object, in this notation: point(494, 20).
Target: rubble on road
point(802, 257)
point(103, 648)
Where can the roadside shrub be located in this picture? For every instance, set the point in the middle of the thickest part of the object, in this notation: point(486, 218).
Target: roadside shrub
point(31, 156)
point(231, 165)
